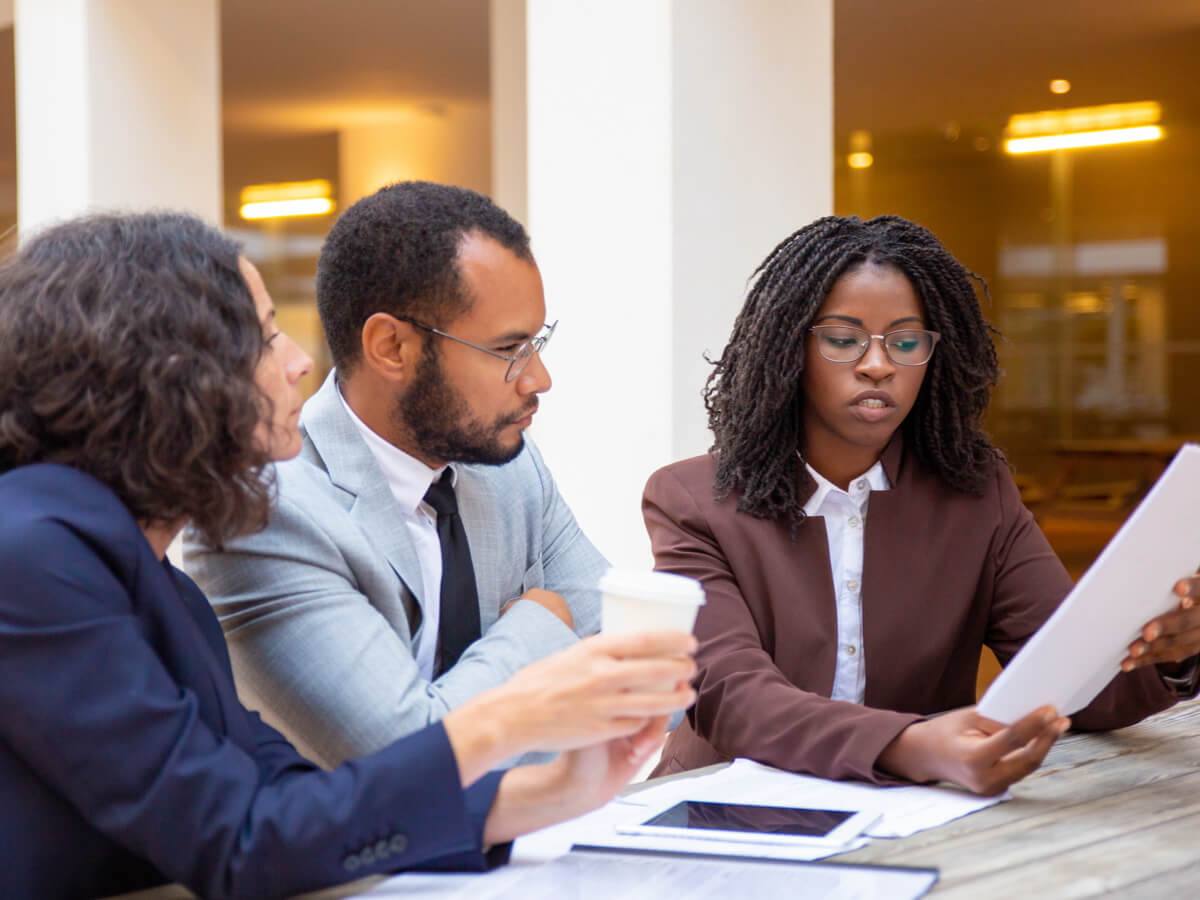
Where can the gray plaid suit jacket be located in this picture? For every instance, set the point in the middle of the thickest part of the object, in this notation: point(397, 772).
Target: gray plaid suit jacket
point(319, 608)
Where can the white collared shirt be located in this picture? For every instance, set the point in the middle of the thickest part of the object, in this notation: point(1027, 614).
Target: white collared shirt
point(409, 479)
point(845, 514)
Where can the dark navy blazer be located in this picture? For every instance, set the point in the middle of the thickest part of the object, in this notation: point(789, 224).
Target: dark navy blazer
point(126, 759)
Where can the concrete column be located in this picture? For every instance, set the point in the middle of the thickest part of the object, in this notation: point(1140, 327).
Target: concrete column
point(118, 107)
point(671, 145)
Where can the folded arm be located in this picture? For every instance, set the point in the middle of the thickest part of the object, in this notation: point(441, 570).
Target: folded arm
point(319, 637)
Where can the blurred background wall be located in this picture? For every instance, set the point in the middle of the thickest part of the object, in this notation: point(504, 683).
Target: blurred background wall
point(657, 151)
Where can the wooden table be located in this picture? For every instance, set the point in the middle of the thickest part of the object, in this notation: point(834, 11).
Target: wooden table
point(1117, 812)
point(1110, 813)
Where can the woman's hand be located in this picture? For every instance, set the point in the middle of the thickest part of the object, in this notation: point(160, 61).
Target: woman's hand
point(533, 797)
point(973, 751)
point(605, 687)
point(1172, 637)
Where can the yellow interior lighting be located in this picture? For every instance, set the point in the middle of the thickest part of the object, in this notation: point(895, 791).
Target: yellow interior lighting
point(287, 198)
point(1083, 139)
point(1083, 126)
point(860, 160)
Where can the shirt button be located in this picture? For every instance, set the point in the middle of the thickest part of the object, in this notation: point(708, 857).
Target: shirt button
point(853, 523)
point(853, 585)
point(851, 649)
point(862, 485)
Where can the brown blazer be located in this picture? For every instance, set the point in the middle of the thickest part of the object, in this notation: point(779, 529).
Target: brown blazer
point(944, 573)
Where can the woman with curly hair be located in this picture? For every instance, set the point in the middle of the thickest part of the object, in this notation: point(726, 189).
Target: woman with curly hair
point(144, 383)
point(860, 539)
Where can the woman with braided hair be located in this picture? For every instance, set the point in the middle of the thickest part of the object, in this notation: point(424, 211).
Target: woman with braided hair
point(859, 537)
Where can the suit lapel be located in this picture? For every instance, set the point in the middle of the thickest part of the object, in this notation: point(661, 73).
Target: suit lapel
point(351, 467)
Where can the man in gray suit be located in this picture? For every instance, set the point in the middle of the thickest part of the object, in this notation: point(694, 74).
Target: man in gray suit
point(354, 618)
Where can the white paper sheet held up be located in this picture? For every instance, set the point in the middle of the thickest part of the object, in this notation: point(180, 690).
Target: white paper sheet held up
point(1080, 647)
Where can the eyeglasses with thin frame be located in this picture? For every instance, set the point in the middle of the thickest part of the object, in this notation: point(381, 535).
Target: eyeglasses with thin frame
point(849, 343)
point(517, 362)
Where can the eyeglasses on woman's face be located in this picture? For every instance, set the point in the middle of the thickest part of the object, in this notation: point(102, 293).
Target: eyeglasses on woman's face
point(519, 358)
point(848, 344)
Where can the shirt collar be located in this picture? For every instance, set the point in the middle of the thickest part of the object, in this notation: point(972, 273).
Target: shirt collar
point(407, 476)
point(875, 479)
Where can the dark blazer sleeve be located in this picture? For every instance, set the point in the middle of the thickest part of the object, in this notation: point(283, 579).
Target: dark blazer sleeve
point(97, 716)
point(746, 706)
point(1029, 584)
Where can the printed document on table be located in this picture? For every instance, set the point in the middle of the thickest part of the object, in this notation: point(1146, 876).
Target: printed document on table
point(600, 875)
point(904, 810)
point(1080, 647)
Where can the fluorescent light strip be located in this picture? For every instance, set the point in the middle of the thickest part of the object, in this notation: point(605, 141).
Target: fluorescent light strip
point(1083, 139)
point(281, 209)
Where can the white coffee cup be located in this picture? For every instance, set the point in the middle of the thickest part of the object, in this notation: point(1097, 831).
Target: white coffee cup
point(634, 600)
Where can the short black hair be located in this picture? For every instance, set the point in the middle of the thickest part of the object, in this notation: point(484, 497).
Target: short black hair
point(128, 349)
point(754, 396)
point(396, 251)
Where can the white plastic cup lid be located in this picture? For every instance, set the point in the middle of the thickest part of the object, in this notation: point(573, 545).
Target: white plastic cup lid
point(663, 586)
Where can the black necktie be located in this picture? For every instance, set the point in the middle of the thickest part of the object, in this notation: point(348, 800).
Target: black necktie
point(459, 607)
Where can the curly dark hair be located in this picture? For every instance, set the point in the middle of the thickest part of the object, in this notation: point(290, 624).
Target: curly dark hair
point(396, 251)
point(754, 397)
point(128, 347)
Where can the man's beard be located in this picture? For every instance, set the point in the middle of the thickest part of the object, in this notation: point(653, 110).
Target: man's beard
point(441, 427)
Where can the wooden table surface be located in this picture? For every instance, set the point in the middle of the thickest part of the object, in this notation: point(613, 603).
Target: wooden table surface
point(1111, 813)
point(1116, 813)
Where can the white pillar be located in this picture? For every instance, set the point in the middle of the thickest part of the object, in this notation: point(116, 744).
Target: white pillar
point(671, 145)
point(118, 107)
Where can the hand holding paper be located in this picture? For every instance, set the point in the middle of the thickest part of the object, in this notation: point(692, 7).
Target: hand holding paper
point(1127, 608)
point(1173, 637)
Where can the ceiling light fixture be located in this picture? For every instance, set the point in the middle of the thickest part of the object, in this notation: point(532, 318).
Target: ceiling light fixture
point(286, 199)
point(1060, 86)
point(1084, 126)
point(1079, 139)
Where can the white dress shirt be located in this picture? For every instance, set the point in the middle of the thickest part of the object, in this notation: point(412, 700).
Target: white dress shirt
point(409, 479)
point(845, 514)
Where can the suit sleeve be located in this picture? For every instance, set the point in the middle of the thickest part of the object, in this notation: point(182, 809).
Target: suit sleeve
point(571, 564)
point(1030, 583)
point(745, 705)
point(91, 708)
point(313, 651)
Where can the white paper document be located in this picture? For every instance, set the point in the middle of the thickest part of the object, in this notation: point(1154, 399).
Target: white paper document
point(1080, 647)
point(903, 810)
point(588, 875)
point(544, 865)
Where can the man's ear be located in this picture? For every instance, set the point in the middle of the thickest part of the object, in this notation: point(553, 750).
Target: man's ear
point(391, 347)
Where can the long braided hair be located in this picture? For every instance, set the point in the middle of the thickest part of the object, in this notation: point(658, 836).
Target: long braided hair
point(754, 396)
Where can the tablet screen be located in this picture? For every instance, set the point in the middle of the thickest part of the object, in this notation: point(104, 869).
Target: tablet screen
point(745, 817)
